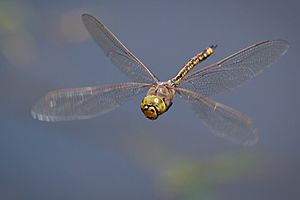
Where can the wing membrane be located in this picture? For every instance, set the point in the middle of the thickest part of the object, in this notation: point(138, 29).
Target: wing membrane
point(84, 103)
point(235, 69)
point(220, 119)
point(117, 52)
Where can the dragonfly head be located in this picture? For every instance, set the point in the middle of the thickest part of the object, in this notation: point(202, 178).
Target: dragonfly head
point(152, 106)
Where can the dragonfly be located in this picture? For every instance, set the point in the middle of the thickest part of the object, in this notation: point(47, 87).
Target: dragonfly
point(196, 88)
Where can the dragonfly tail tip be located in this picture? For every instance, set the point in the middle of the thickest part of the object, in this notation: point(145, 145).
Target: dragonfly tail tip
point(214, 46)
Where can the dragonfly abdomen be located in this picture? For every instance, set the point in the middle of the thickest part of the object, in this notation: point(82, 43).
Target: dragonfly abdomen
point(193, 62)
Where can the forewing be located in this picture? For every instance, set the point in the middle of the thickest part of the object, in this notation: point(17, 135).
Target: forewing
point(84, 103)
point(235, 69)
point(117, 52)
point(220, 119)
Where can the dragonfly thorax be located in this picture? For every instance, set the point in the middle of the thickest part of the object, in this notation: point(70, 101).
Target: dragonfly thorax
point(158, 100)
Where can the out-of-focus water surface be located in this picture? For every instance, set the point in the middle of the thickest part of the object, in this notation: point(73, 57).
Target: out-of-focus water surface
point(122, 155)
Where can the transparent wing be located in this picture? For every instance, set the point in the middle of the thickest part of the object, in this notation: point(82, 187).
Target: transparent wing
point(220, 119)
point(235, 69)
point(117, 52)
point(84, 103)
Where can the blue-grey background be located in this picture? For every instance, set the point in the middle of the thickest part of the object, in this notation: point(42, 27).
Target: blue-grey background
point(122, 155)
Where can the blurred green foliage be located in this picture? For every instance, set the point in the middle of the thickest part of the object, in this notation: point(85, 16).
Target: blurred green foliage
point(13, 16)
point(186, 177)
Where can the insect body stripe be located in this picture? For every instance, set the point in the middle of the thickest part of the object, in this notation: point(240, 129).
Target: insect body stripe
point(192, 63)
